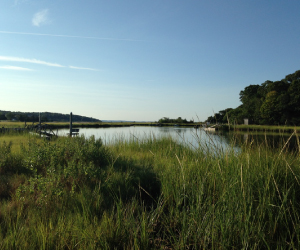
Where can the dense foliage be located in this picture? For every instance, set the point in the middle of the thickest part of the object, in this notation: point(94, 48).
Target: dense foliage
point(45, 117)
point(169, 120)
point(270, 103)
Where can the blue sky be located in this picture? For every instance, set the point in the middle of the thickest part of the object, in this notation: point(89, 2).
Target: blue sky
point(142, 60)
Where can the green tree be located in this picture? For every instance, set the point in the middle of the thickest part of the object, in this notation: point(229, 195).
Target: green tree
point(2, 116)
point(293, 77)
point(164, 120)
point(179, 120)
point(9, 115)
point(271, 102)
point(252, 100)
point(237, 115)
point(294, 101)
point(211, 119)
point(268, 108)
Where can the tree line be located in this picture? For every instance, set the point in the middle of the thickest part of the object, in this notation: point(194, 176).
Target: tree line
point(270, 103)
point(45, 117)
point(178, 120)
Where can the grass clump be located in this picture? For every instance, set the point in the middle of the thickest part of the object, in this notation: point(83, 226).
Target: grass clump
point(147, 193)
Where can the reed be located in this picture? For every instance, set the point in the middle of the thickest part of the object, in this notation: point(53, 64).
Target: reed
point(266, 128)
point(148, 193)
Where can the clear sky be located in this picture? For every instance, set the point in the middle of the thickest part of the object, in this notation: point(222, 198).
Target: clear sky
point(142, 60)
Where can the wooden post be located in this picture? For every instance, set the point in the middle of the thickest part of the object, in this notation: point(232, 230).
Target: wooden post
point(71, 124)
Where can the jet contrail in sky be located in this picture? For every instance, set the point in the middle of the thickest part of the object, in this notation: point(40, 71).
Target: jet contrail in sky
point(83, 37)
point(26, 60)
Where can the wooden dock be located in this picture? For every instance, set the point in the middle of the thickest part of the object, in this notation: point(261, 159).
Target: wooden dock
point(39, 129)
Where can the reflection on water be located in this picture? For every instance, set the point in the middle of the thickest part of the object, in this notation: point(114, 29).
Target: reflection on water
point(189, 136)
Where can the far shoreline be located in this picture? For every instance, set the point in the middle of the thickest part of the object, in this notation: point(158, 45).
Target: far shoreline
point(224, 127)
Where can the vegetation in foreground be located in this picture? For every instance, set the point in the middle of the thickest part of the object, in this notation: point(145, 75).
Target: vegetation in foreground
point(151, 193)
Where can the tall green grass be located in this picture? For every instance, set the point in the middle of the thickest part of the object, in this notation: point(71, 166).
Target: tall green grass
point(148, 193)
point(269, 128)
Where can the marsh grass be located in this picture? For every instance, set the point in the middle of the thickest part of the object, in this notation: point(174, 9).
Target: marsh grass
point(269, 128)
point(148, 193)
point(54, 125)
point(15, 139)
point(12, 124)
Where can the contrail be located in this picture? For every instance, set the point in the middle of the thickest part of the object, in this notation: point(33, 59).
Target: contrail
point(15, 68)
point(74, 67)
point(82, 37)
point(20, 59)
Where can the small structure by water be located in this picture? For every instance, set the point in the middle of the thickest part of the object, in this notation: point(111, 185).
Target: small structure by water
point(73, 131)
point(213, 128)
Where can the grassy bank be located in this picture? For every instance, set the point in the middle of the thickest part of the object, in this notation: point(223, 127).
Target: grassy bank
point(9, 124)
point(151, 193)
point(56, 125)
point(265, 128)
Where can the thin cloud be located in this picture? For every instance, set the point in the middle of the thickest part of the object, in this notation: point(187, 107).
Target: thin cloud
point(18, 2)
point(67, 36)
point(35, 61)
point(74, 67)
point(40, 18)
point(15, 68)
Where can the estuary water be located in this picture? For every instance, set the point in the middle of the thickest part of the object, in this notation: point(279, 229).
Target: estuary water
point(188, 136)
point(185, 135)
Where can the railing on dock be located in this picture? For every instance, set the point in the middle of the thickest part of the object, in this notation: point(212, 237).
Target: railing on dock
point(41, 129)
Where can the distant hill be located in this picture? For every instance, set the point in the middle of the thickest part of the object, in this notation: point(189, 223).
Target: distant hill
point(45, 117)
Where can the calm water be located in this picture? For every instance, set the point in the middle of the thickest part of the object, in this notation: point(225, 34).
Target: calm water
point(189, 136)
